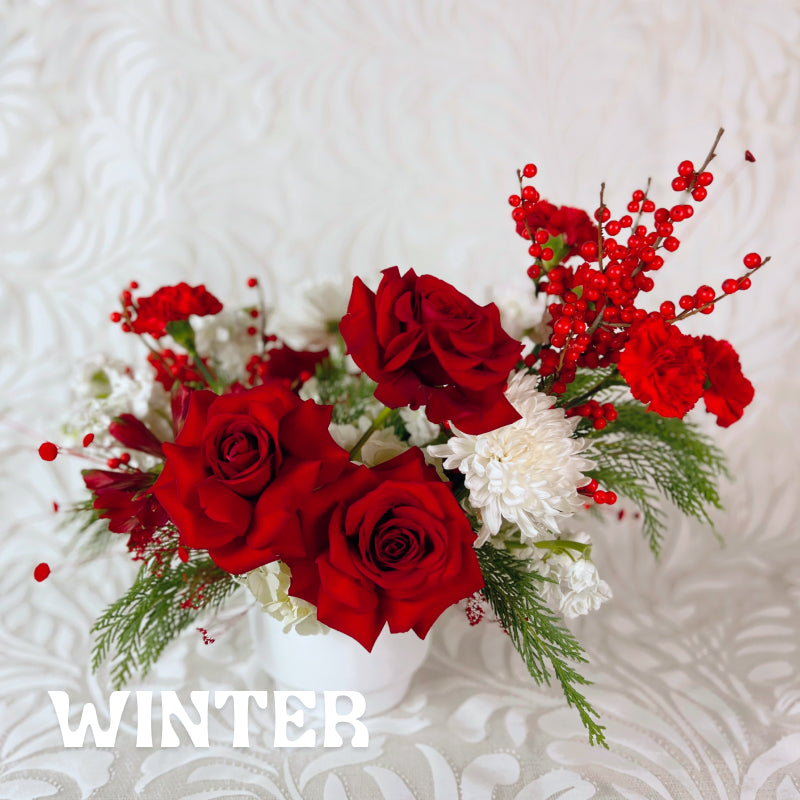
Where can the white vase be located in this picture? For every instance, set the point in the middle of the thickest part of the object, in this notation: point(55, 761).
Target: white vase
point(336, 662)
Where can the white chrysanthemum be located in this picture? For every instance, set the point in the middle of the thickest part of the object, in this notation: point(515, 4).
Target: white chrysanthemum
point(224, 338)
point(528, 472)
point(102, 389)
point(270, 586)
point(309, 319)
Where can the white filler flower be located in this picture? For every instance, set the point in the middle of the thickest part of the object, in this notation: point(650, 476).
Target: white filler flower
point(528, 472)
point(270, 586)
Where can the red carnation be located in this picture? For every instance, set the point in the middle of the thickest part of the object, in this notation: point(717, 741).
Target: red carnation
point(727, 390)
point(426, 344)
point(241, 467)
point(170, 304)
point(393, 545)
point(573, 223)
point(663, 367)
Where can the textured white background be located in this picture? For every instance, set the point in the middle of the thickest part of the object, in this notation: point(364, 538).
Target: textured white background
point(168, 140)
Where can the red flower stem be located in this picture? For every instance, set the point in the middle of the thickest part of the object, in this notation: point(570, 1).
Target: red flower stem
point(692, 311)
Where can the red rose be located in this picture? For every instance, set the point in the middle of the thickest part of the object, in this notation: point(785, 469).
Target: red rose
point(663, 367)
point(426, 344)
point(170, 304)
point(573, 223)
point(241, 467)
point(727, 390)
point(285, 364)
point(394, 547)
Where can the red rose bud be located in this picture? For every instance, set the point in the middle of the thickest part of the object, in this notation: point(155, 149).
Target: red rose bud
point(727, 390)
point(426, 344)
point(132, 433)
point(387, 545)
point(663, 367)
point(125, 499)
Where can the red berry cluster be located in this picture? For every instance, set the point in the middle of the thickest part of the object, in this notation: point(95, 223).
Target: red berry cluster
point(594, 303)
point(600, 415)
point(598, 495)
point(170, 366)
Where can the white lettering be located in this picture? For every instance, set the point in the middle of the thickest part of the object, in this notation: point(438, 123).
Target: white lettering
point(102, 738)
point(352, 717)
point(282, 718)
point(172, 706)
point(241, 708)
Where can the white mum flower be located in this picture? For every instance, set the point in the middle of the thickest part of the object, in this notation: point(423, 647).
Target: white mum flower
point(528, 472)
point(309, 320)
point(270, 586)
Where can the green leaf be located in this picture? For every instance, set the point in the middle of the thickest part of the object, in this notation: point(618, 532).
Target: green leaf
point(164, 599)
point(647, 457)
point(536, 631)
point(182, 332)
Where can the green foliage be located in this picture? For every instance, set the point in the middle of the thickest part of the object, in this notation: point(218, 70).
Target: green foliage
point(163, 601)
point(588, 383)
point(536, 631)
point(350, 395)
point(644, 456)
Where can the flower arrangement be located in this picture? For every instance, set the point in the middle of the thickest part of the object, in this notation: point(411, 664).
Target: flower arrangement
point(372, 461)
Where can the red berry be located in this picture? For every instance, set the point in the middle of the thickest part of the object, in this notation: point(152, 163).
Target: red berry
point(252, 331)
point(599, 497)
point(613, 227)
point(686, 302)
point(115, 316)
point(134, 285)
point(547, 253)
point(518, 215)
point(589, 250)
point(534, 270)
point(730, 285)
point(671, 243)
point(600, 423)
point(648, 206)
point(529, 193)
point(541, 236)
point(41, 572)
point(611, 498)
point(514, 200)
point(699, 194)
point(559, 387)
point(633, 206)
point(48, 451)
point(638, 196)
point(745, 283)
point(252, 282)
point(529, 170)
point(88, 439)
point(679, 184)
point(626, 221)
point(667, 309)
point(705, 294)
point(254, 313)
point(685, 169)
point(112, 463)
point(705, 179)
point(125, 458)
point(752, 260)
point(602, 214)
point(707, 309)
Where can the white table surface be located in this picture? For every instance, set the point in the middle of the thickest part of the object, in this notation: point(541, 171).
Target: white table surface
point(169, 140)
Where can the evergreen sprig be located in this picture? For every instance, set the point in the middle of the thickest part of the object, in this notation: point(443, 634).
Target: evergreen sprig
point(163, 601)
point(350, 395)
point(644, 457)
point(536, 631)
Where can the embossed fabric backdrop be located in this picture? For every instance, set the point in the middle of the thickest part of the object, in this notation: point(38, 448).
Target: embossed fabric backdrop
point(169, 140)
